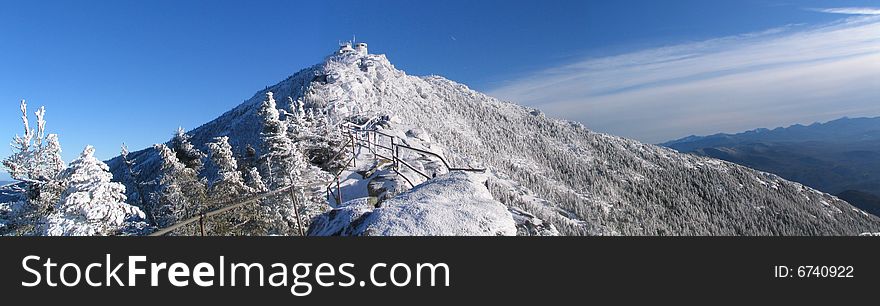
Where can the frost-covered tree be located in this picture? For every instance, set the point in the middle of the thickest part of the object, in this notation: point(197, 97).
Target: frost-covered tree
point(248, 166)
point(49, 159)
point(185, 151)
point(91, 204)
point(282, 162)
point(36, 156)
point(229, 181)
point(182, 194)
point(250, 157)
point(35, 161)
point(132, 177)
point(229, 184)
point(312, 134)
point(51, 155)
point(172, 202)
point(255, 181)
point(315, 141)
point(297, 112)
point(21, 164)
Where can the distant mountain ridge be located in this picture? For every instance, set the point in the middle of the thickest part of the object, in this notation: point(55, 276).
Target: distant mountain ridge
point(835, 156)
point(840, 130)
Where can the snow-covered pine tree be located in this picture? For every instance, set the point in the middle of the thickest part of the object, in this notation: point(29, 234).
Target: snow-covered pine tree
point(51, 155)
point(297, 111)
point(255, 180)
point(50, 164)
point(182, 194)
point(250, 157)
point(186, 152)
point(313, 139)
point(229, 184)
point(91, 204)
point(249, 166)
point(298, 107)
point(132, 178)
point(312, 134)
point(282, 162)
point(172, 203)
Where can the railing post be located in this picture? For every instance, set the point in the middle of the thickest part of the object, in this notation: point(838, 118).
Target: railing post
point(295, 208)
point(374, 143)
point(393, 155)
point(338, 192)
point(202, 223)
point(353, 160)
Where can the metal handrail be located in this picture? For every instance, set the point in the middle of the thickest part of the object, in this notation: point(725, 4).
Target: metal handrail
point(341, 150)
point(354, 139)
point(412, 168)
point(446, 164)
point(218, 211)
point(411, 185)
point(361, 126)
point(329, 189)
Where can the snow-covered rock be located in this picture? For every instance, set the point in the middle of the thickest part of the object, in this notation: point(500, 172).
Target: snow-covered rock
point(342, 221)
point(454, 204)
point(529, 225)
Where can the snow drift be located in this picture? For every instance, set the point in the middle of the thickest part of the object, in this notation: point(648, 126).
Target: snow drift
point(454, 204)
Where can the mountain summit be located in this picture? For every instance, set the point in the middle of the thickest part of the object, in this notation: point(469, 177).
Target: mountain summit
point(552, 176)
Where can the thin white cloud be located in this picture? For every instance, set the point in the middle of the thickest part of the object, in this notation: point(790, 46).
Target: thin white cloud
point(849, 10)
point(781, 76)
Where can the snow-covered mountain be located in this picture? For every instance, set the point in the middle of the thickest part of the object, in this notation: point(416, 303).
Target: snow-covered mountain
point(552, 175)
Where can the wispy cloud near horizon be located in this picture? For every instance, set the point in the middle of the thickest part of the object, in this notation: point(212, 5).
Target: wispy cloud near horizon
point(782, 76)
point(849, 10)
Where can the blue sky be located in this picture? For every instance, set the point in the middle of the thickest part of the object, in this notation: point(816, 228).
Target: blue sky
point(133, 71)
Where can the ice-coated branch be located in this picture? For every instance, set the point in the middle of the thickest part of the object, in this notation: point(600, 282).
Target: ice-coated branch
point(41, 125)
point(24, 141)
